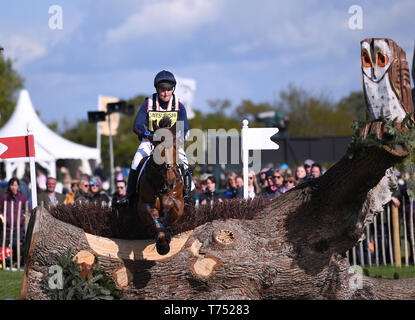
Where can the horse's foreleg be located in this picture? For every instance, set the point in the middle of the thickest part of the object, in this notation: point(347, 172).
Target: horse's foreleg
point(163, 236)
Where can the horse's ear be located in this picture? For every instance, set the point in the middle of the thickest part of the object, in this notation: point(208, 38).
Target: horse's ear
point(155, 125)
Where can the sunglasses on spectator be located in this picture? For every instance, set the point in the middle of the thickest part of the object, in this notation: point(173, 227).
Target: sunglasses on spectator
point(121, 187)
point(277, 177)
point(289, 181)
point(86, 185)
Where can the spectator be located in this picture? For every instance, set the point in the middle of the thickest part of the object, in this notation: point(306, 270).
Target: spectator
point(211, 194)
point(279, 181)
point(83, 192)
point(99, 171)
point(315, 170)
point(253, 188)
point(50, 196)
point(13, 195)
point(231, 188)
point(120, 194)
point(307, 166)
point(300, 174)
point(200, 189)
point(272, 190)
point(290, 182)
point(41, 180)
point(70, 197)
point(263, 178)
point(239, 181)
point(97, 194)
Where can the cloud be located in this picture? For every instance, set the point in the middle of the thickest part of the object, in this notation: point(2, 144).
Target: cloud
point(23, 49)
point(166, 19)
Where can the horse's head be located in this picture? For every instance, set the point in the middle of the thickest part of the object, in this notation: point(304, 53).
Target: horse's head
point(164, 154)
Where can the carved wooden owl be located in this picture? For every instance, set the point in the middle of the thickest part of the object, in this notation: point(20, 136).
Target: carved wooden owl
point(386, 79)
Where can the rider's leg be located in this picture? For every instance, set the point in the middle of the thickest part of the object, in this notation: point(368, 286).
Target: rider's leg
point(144, 149)
point(187, 175)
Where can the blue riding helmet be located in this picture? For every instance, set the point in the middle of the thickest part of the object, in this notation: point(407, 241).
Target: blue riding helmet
point(164, 79)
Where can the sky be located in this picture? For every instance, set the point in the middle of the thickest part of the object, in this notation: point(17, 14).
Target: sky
point(233, 49)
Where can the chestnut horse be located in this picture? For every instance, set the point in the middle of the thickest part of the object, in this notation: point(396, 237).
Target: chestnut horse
point(160, 198)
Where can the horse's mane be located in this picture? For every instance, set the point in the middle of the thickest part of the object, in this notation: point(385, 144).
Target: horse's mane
point(165, 122)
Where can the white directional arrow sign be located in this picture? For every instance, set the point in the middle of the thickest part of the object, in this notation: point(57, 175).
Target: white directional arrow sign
point(3, 148)
point(255, 139)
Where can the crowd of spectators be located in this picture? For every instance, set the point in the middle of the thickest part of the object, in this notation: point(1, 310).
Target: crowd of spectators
point(268, 182)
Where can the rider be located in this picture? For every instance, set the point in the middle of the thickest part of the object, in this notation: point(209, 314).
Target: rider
point(164, 101)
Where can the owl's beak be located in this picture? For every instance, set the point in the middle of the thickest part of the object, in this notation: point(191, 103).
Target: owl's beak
point(374, 72)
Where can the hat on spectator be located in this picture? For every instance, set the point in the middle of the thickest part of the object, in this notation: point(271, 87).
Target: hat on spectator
point(284, 166)
point(308, 162)
point(96, 181)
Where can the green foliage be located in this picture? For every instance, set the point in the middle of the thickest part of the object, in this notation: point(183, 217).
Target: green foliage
point(98, 285)
point(391, 137)
point(10, 83)
point(312, 115)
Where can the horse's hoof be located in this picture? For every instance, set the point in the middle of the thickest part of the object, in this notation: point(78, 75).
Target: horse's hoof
point(162, 249)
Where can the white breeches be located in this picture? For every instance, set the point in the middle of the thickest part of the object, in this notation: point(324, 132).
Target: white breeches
point(144, 150)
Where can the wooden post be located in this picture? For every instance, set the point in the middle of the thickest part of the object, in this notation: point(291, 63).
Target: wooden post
point(3, 244)
point(354, 255)
point(396, 236)
point(362, 254)
point(26, 216)
point(382, 230)
point(11, 232)
point(405, 235)
point(375, 224)
point(19, 211)
point(411, 219)
point(390, 235)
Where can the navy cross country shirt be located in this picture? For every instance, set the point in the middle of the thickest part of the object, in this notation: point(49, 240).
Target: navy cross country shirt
point(141, 120)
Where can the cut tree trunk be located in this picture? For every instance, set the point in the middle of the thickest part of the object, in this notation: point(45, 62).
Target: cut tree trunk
point(293, 249)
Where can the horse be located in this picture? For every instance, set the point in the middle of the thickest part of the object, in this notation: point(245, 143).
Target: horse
point(160, 188)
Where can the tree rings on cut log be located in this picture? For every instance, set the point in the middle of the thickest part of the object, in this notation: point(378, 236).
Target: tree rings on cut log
point(204, 267)
point(224, 236)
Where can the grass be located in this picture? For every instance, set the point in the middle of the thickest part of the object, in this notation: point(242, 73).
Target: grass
point(10, 283)
point(390, 272)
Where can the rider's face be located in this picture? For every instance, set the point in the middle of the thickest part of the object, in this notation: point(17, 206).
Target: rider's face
point(165, 94)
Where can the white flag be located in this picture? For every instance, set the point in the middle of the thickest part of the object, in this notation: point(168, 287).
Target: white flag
point(259, 138)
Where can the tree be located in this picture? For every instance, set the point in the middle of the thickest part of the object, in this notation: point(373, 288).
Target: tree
point(314, 115)
point(10, 83)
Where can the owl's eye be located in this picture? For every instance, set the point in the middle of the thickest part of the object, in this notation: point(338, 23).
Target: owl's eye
point(382, 60)
point(366, 60)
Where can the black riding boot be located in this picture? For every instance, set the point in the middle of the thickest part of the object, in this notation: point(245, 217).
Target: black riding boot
point(187, 187)
point(131, 188)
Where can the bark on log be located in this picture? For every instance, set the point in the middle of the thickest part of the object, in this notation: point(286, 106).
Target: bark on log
point(293, 249)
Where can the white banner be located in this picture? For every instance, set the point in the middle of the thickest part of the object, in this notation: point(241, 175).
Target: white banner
point(185, 90)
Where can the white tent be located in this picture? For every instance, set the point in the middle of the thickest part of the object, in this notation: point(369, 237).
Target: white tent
point(49, 146)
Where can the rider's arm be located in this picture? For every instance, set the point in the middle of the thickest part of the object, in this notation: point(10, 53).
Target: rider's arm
point(183, 117)
point(140, 121)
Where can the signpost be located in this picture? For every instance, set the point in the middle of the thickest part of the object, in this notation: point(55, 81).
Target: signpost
point(255, 139)
point(21, 147)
